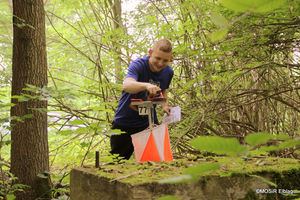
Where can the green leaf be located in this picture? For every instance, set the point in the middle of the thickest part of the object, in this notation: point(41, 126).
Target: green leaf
point(177, 179)
point(27, 116)
point(268, 148)
point(24, 97)
point(61, 190)
point(41, 110)
point(219, 20)
point(270, 5)
point(77, 122)
point(114, 132)
point(258, 152)
point(258, 138)
point(10, 197)
point(31, 89)
point(219, 145)
point(218, 35)
point(65, 132)
point(82, 130)
point(169, 197)
point(42, 175)
point(97, 108)
point(289, 144)
point(7, 105)
point(20, 98)
point(264, 150)
point(94, 125)
point(282, 136)
point(201, 169)
point(84, 144)
point(253, 5)
point(20, 186)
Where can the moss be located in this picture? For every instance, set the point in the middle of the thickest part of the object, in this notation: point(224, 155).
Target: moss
point(257, 165)
point(140, 172)
point(134, 172)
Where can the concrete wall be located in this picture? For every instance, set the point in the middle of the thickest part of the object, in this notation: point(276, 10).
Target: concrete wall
point(86, 185)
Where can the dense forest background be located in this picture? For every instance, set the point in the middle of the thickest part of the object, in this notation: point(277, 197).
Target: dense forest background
point(236, 71)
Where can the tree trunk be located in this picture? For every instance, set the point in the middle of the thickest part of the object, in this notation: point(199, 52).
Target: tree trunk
point(29, 148)
point(117, 22)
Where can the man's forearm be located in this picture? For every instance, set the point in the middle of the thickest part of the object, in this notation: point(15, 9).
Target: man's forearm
point(134, 87)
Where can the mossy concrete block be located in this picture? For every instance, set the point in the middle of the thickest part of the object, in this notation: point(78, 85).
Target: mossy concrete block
point(236, 179)
point(87, 185)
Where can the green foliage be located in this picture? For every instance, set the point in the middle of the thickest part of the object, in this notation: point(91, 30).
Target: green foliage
point(202, 169)
point(5, 43)
point(218, 35)
point(234, 74)
point(169, 197)
point(6, 105)
point(231, 147)
point(253, 5)
point(227, 99)
point(219, 145)
point(8, 188)
point(219, 20)
point(258, 138)
point(290, 144)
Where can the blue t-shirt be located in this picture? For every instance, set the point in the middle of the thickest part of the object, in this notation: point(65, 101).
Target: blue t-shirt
point(140, 71)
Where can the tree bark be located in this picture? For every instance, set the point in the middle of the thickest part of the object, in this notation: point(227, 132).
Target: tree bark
point(116, 6)
point(29, 148)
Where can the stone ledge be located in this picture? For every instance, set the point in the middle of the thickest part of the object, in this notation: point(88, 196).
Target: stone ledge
point(87, 184)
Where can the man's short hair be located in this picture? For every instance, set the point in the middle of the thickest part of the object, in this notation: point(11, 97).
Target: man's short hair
point(163, 45)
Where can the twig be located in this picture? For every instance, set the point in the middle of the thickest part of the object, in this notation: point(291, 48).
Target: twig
point(126, 176)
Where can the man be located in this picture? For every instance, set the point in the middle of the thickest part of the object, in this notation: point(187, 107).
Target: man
point(146, 76)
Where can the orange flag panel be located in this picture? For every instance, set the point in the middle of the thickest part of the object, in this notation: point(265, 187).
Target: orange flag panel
point(167, 147)
point(150, 153)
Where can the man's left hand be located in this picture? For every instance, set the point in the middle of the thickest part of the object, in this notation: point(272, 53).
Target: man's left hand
point(167, 109)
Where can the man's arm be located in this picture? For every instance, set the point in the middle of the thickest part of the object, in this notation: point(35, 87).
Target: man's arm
point(132, 86)
point(165, 106)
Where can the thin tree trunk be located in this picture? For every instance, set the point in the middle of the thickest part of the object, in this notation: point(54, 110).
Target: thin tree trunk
point(29, 148)
point(117, 22)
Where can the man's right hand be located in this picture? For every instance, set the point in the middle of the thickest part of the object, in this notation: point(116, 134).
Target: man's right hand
point(132, 86)
point(152, 89)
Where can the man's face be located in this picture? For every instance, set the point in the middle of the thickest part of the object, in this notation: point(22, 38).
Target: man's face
point(159, 60)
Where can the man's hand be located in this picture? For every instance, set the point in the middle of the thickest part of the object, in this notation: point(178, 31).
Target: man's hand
point(152, 89)
point(132, 86)
point(166, 108)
